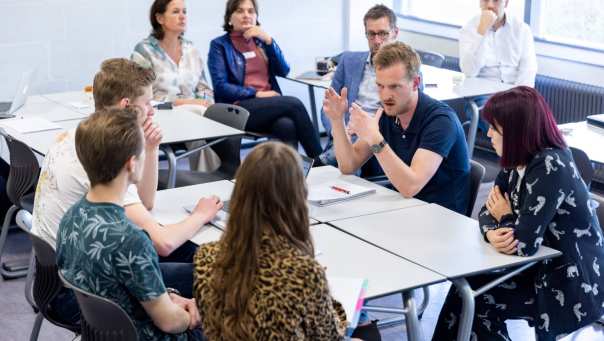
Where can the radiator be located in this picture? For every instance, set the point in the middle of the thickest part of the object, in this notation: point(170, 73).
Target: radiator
point(569, 101)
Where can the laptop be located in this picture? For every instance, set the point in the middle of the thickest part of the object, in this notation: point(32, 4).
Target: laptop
point(596, 120)
point(8, 109)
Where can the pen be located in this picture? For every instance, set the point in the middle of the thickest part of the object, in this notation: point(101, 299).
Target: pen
point(340, 189)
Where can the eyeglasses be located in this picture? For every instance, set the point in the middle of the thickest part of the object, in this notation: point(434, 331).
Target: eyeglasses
point(381, 34)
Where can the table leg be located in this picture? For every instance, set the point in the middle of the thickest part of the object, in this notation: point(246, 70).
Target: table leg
point(414, 330)
point(473, 126)
point(313, 107)
point(468, 295)
point(467, 311)
point(171, 165)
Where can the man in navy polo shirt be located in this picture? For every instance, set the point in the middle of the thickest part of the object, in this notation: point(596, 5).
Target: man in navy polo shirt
point(419, 142)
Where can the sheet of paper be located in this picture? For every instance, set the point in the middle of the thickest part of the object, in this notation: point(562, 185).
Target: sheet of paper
point(30, 125)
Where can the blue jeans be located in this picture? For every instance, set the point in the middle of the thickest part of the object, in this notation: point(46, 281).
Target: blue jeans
point(178, 276)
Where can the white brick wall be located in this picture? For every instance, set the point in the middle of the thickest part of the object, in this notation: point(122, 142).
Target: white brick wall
point(67, 39)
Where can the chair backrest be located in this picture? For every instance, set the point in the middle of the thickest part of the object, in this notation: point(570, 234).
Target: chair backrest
point(431, 58)
point(584, 165)
point(229, 150)
point(476, 174)
point(47, 283)
point(102, 319)
point(24, 169)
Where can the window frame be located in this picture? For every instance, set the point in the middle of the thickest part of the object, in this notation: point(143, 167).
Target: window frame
point(583, 53)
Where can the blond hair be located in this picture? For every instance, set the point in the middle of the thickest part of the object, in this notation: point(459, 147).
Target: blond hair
point(120, 78)
point(398, 52)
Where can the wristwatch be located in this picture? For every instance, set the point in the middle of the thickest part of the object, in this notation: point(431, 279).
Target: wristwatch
point(376, 148)
point(172, 291)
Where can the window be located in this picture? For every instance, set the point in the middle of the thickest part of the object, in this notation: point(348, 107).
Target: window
point(576, 23)
point(584, 27)
point(452, 12)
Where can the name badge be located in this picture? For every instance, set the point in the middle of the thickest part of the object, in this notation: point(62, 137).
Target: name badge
point(249, 54)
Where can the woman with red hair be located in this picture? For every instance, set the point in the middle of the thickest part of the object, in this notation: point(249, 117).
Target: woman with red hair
point(538, 199)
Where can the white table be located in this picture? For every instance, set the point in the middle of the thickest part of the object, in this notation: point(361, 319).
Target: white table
point(442, 241)
point(68, 99)
point(383, 200)
point(441, 84)
point(177, 126)
point(170, 203)
point(586, 137)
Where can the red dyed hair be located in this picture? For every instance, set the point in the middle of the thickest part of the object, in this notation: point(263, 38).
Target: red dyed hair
point(526, 123)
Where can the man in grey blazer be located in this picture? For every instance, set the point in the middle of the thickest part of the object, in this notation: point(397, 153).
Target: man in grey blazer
point(356, 72)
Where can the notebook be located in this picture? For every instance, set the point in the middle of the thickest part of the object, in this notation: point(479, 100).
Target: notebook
point(334, 192)
point(30, 125)
point(350, 292)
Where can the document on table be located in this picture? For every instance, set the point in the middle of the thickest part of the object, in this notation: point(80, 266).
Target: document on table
point(207, 234)
point(350, 292)
point(30, 125)
point(222, 216)
point(336, 191)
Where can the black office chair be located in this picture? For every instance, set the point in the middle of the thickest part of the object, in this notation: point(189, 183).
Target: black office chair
point(22, 177)
point(476, 174)
point(431, 58)
point(47, 283)
point(102, 319)
point(228, 150)
point(584, 165)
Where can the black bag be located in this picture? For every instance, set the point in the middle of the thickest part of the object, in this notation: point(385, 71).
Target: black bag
point(368, 332)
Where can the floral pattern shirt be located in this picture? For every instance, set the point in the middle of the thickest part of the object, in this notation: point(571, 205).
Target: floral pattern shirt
point(99, 250)
point(183, 80)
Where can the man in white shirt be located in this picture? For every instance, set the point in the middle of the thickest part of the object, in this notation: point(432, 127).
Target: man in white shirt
point(497, 46)
point(63, 181)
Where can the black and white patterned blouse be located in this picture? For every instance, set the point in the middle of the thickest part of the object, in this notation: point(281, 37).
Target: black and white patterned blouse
point(551, 206)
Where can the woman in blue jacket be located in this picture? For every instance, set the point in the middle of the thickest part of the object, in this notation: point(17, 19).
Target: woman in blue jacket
point(243, 65)
point(538, 199)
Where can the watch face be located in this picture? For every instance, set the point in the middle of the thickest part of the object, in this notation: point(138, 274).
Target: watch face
point(376, 148)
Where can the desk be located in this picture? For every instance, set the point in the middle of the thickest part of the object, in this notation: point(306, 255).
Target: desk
point(442, 241)
point(177, 125)
point(445, 89)
point(586, 137)
point(383, 200)
point(68, 98)
point(170, 203)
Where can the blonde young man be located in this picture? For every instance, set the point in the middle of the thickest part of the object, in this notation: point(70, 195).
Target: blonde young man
point(121, 83)
point(417, 140)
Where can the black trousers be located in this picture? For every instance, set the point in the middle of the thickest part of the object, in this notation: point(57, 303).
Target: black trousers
point(177, 269)
point(285, 118)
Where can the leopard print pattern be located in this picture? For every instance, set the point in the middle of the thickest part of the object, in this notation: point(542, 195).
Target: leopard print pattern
point(290, 301)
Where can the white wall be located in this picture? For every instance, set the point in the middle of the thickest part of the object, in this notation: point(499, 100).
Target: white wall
point(67, 39)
